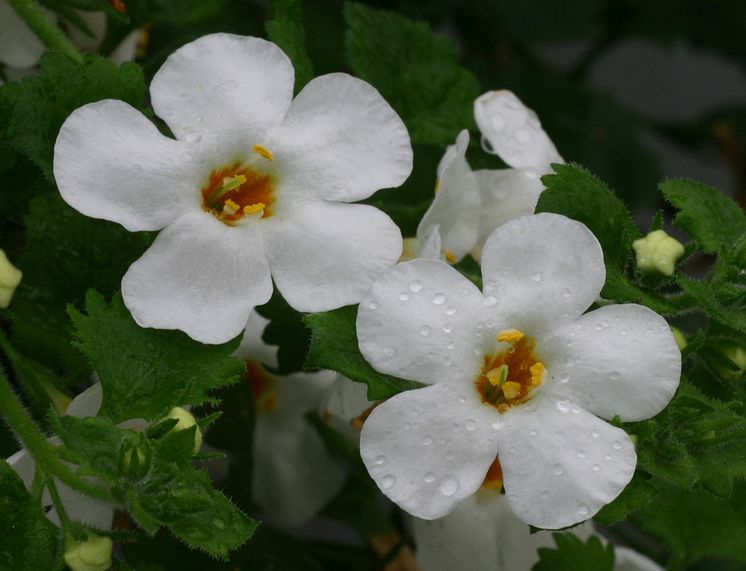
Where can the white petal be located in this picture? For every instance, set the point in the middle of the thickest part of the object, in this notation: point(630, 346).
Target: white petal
point(345, 400)
point(544, 269)
point(560, 463)
point(294, 475)
point(111, 162)
point(86, 403)
point(430, 245)
point(341, 141)
point(617, 360)
point(514, 132)
point(428, 449)
point(199, 276)
point(252, 347)
point(78, 507)
point(126, 50)
point(19, 46)
point(223, 85)
point(505, 194)
point(326, 255)
point(456, 206)
point(419, 321)
point(628, 560)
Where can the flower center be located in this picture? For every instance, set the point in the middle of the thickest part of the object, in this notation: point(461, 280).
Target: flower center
point(240, 191)
point(262, 387)
point(509, 376)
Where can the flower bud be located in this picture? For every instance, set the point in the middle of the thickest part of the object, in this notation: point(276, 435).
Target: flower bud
point(134, 458)
point(93, 554)
point(185, 419)
point(736, 357)
point(658, 252)
point(10, 277)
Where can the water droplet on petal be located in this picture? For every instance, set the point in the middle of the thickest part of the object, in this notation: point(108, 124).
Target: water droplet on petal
point(427, 441)
point(595, 467)
point(563, 406)
point(451, 346)
point(607, 457)
point(380, 459)
point(537, 277)
point(490, 300)
point(372, 305)
point(450, 311)
point(499, 424)
point(403, 296)
point(470, 425)
point(614, 376)
point(583, 510)
point(616, 445)
point(193, 137)
point(424, 331)
point(429, 477)
point(532, 432)
point(439, 299)
point(415, 286)
point(388, 482)
point(557, 469)
point(565, 292)
point(596, 434)
point(449, 487)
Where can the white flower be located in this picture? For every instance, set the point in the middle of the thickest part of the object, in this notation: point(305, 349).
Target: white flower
point(468, 204)
point(343, 405)
point(483, 534)
point(517, 373)
point(294, 476)
point(255, 182)
point(78, 507)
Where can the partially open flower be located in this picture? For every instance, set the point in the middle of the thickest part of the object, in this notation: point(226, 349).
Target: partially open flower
point(293, 474)
point(517, 374)
point(93, 554)
point(254, 185)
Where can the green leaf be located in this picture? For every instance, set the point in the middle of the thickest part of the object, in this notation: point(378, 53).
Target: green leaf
point(579, 195)
point(334, 346)
point(638, 494)
point(286, 30)
point(287, 331)
point(695, 525)
point(28, 540)
point(146, 372)
point(64, 85)
point(416, 71)
point(620, 288)
point(708, 216)
point(717, 298)
point(572, 554)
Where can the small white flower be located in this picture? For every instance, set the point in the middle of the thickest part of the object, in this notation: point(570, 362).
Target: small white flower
point(255, 184)
point(468, 204)
point(294, 476)
point(78, 507)
point(483, 534)
point(516, 373)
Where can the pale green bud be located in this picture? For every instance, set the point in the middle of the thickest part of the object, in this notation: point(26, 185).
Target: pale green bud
point(10, 277)
point(658, 252)
point(185, 419)
point(93, 554)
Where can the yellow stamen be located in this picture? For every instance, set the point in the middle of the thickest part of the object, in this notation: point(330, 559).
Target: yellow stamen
point(450, 256)
point(511, 389)
point(498, 375)
point(262, 151)
point(254, 208)
point(437, 186)
point(510, 336)
point(230, 207)
point(537, 373)
point(232, 182)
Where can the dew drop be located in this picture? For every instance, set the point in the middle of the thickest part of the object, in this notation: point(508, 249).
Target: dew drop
point(389, 351)
point(470, 425)
point(564, 379)
point(388, 482)
point(563, 406)
point(450, 311)
point(372, 305)
point(616, 445)
point(532, 432)
point(447, 328)
point(498, 424)
point(193, 137)
point(403, 296)
point(451, 346)
point(623, 332)
point(429, 477)
point(595, 467)
point(537, 277)
point(415, 286)
point(557, 469)
point(424, 331)
point(565, 292)
point(136, 168)
point(545, 495)
point(380, 459)
point(462, 400)
point(614, 376)
point(427, 441)
point(607, 457)
point(583, 510)
point(449, 487)
point(448, 361)
point(490, 300)
point(596, 434)
point(439, 299)
point(581, 454)
point(513, 450)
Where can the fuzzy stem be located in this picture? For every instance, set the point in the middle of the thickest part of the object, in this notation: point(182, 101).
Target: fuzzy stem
point(52, 37)
point(43, 452)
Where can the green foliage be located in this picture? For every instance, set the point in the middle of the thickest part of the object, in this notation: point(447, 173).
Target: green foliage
point(572, 554)
point(286, 331)
point(334, 346)
point(416, 71)
point(28, 540)
point(708, 216)
point(44, 102)
point(287, 31)
point(146, 372)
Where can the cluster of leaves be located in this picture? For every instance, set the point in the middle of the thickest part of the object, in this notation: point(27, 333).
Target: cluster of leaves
point(61, 328)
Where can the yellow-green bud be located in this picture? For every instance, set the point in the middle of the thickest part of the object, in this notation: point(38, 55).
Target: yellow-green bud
point(658, 252)
point(737, 357)
point(134, 459)
point(679, 338)
point(93, 554)
point(10, 277)
point(185, 419)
